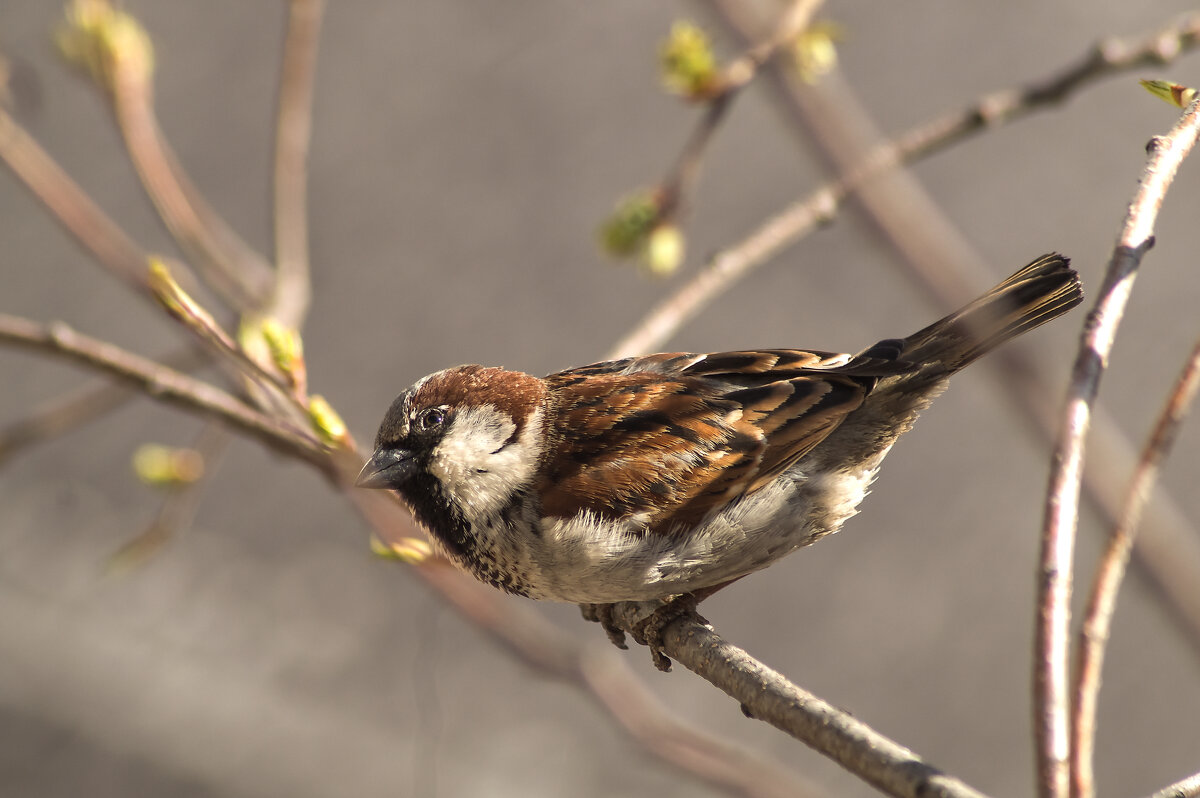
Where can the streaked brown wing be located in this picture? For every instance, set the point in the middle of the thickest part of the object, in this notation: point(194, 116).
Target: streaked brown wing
point(714, 427)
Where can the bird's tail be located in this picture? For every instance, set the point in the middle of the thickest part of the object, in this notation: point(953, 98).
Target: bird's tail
point(1036, 294)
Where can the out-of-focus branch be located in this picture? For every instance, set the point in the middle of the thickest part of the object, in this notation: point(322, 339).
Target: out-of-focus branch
point(677, 186)
point(728, 267)
point(634, 705)
point(115, 49)
point(1097, 622)
point(178, 509)
point(163, 384)
point(81, 406)
point(68, 204)
point(1052, 638)
point(293, 132)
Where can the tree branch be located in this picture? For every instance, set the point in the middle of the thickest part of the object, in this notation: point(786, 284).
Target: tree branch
point(228, 264)
point(163, 384)
point(1184, 788)
point(70, 206)
point(293, 132)
point(1052, 654)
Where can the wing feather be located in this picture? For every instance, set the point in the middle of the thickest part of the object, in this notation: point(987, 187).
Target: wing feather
point(714, 426)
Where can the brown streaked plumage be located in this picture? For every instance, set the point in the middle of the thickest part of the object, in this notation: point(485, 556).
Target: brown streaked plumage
point(674, 473)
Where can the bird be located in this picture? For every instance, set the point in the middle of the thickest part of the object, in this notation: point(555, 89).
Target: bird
point(668, 476)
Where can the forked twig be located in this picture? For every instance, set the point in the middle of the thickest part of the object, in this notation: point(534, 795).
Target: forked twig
point(1052, 638)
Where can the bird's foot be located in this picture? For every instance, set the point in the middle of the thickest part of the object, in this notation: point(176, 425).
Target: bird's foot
point(603, 615)
point(653, 619)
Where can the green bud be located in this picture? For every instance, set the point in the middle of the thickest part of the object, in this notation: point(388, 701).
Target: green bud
point(687, 63)
point(1178, 95)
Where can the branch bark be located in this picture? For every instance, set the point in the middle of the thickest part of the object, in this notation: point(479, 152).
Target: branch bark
point(1052, 646)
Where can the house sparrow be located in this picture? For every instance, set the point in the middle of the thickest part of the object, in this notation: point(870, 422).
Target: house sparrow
point(673, 474)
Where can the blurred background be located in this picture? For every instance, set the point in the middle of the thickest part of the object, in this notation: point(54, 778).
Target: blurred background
point(463, 156)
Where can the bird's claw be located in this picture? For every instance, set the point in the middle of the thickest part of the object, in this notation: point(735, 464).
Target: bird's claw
point(648, 631)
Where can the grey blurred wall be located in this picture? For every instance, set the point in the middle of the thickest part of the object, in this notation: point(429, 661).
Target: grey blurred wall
point(463, 155)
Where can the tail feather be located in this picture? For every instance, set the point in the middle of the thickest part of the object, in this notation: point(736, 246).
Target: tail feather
point(1034, 295)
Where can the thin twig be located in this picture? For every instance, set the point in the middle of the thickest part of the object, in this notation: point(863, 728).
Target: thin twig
point(728, 267)
point(163, 384)
point(179, 507)
point(293, 132)
point(1052, 637)
point(68, 204)
point(1184, 788)
point(1097, 623)
point(81, 406)
point(679, 183)
point(266, 388)
point(229, 265)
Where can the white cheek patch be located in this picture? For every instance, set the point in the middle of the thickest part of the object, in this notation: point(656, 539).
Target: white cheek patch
point(477, 463)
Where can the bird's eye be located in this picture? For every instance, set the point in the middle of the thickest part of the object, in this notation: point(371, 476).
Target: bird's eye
point(431, 418)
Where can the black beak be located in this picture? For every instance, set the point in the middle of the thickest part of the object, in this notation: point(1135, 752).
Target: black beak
point(387, 468)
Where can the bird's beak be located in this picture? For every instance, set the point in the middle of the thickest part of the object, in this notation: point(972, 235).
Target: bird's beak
point(387, 468)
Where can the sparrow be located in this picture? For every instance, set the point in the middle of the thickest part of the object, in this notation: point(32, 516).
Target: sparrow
point(673, 474)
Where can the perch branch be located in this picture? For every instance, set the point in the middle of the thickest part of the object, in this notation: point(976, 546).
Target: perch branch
point(767, 696)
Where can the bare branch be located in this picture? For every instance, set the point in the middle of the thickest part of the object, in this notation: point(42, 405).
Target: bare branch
point(80, 406)
point(229, 265)
point(1097, 623)
point(1184, 788)
point(68, 203)
point(1052, 644)
point(293, 130)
